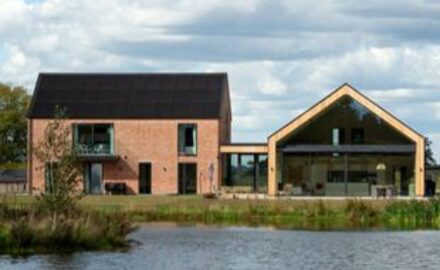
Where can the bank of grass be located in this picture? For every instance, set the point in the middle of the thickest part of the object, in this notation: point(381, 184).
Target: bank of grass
point(287, 214)
point(26, 228)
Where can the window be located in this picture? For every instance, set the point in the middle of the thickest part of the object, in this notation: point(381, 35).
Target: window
point(50, 171)
point(336, 177)
point(94, 139)
point(338, 136)
point(357, 136)
point(187, 139)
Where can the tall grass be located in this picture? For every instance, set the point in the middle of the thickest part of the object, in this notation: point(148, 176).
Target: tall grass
point(27, 229)
point(319, 215)
point(414, 214)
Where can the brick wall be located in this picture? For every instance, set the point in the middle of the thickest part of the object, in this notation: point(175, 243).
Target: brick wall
point(153, 141)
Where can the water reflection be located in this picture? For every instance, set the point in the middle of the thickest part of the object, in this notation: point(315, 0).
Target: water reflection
point(169, 246)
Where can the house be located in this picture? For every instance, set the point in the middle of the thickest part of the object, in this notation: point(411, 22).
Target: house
point(171, 134)
point(155, 133)
point(12, 181)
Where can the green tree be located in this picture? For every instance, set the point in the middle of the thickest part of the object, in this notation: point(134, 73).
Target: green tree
point(429, 154)
point(59, 162)
point(14, 102)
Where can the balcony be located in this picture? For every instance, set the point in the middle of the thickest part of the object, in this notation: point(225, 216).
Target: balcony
point(94, 142)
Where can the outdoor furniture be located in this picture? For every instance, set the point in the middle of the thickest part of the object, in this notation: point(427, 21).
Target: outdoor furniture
point(297, 191)
point(386, 191)
point(82, 149)
point(115, 188)
point(288, 189)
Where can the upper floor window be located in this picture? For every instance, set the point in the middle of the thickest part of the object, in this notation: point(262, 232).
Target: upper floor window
point(357, 136)
point(187, 139)
point(93, 139)
point(338, 136)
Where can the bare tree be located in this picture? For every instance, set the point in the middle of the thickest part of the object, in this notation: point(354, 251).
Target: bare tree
point(59, 162)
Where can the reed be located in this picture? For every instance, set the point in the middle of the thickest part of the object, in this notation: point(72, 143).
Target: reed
point(28, 229)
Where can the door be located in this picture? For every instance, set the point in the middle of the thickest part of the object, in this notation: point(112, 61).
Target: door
point(93, 178)
point(145, 178)
point(187, 178)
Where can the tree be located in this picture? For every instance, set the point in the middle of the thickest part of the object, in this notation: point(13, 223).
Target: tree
point(14, 103)
point(58, 160)
point(429, 154)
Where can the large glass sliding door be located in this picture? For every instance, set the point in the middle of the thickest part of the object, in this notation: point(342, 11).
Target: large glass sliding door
point(187, 178)
point(345, 174)
point(245, 172)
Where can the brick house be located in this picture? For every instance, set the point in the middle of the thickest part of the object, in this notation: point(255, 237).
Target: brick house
point(155, 133)
point(171, 134)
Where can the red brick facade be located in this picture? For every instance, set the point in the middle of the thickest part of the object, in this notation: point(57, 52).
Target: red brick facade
point(153, 141)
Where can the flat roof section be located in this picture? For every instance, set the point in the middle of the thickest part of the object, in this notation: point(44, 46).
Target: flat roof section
point(244, 148)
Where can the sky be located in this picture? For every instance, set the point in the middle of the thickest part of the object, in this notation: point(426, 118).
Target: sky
point(281, 56)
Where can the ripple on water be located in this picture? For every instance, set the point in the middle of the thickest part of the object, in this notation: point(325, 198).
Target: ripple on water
point(165, 246)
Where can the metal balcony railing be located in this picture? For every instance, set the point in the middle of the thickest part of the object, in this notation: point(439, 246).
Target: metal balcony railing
point(94, 150)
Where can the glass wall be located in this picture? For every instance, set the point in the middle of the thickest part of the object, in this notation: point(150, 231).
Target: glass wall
point(352, 175)
point(346, 122)
point(245, 172)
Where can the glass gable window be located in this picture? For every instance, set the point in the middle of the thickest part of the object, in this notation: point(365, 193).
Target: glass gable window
point(94, 139)
point(346, 122)
point(338, 136)
point(187, 139)
point(357, 136)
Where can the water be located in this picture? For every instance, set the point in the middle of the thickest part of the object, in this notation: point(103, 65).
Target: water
point(167, 246)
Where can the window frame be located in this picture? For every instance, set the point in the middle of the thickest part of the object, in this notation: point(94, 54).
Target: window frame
point(75, 135)
point(196, 143)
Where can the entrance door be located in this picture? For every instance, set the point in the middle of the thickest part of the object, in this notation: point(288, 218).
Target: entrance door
point(145, 178)
point(93, 178)
point(187, 178)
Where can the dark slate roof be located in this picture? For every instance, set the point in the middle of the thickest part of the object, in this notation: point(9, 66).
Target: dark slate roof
point(151, 95)
point(12, 176)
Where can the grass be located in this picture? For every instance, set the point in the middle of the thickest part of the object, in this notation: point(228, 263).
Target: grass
point(26, 228)
point(103, 216)
point(291, 214)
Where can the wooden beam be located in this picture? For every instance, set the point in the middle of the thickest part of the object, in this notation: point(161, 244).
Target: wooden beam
point(243, 149)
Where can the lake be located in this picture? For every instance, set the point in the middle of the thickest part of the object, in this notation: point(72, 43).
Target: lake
point(168, 246)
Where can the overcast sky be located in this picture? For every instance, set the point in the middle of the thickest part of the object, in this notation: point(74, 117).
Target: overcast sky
point(281, 56)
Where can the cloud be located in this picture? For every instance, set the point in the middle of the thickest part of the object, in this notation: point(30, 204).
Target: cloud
point(281, 56)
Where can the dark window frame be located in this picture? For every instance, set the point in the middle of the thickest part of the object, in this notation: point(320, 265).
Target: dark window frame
point(195, 144)
point(75, 126)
